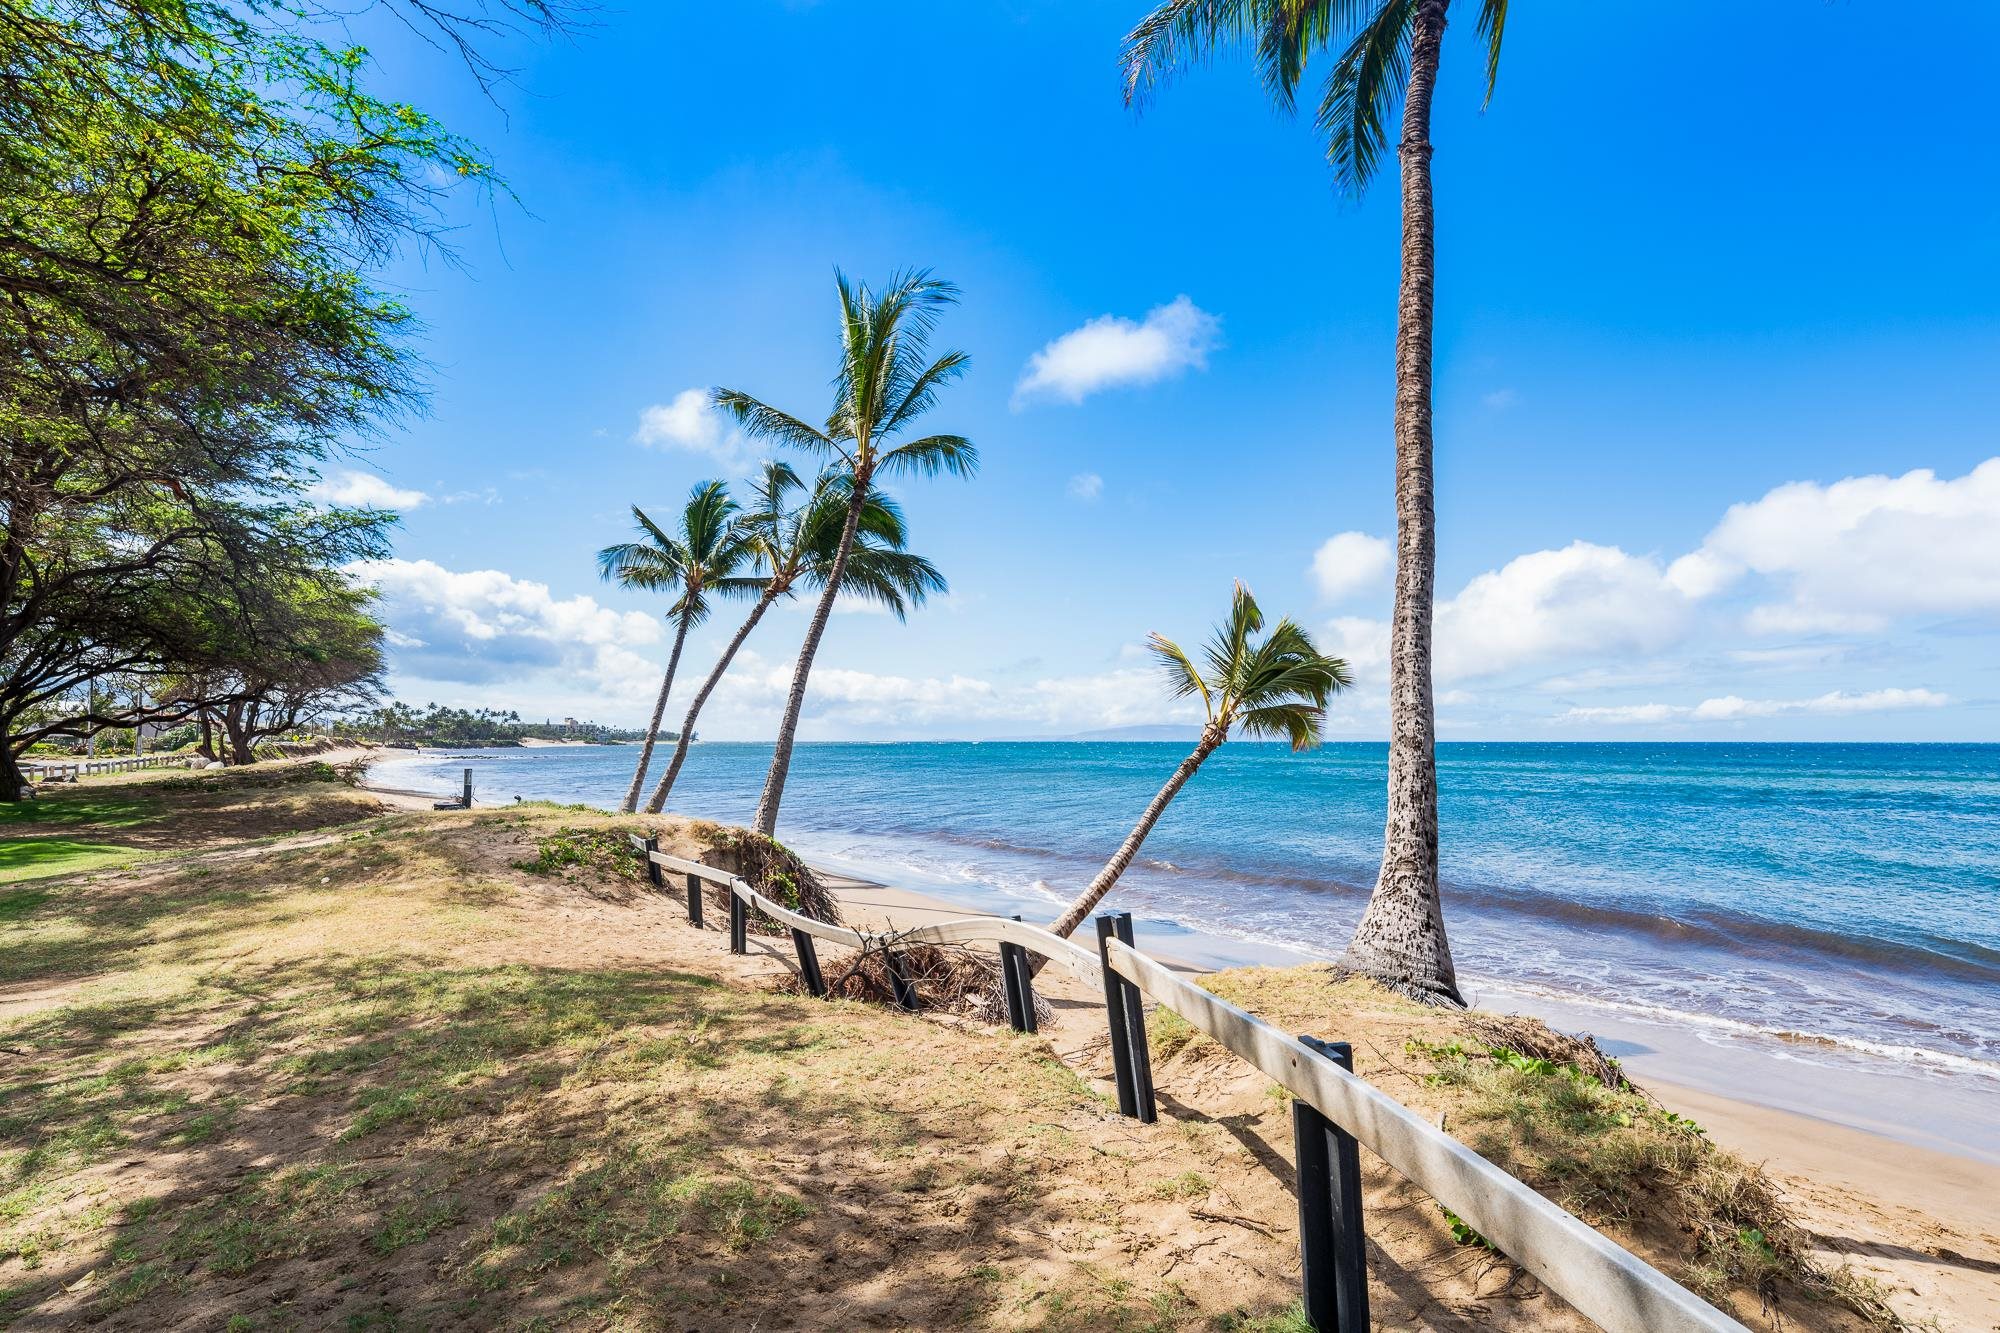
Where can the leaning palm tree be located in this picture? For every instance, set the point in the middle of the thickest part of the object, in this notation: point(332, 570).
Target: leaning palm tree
point(797, 542)
point(886, 381)
point(703, 558)
point(1277, 686)
point(1388, 50)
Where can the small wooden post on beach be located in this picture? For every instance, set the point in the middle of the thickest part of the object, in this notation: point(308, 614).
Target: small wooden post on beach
point(694, 901)
point(1333, 1262)
point(468, 788)
point(739, 924)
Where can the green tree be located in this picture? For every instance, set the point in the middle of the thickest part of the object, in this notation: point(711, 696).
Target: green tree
point(797, 541)
point(886, 381)
point(701, 559)
point(189, 195)
point(1387, 52)
point(1275, 686)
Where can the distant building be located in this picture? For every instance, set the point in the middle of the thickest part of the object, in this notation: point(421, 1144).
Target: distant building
point(569, 726)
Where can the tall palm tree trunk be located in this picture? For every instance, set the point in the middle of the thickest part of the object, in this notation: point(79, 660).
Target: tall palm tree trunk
point(1401, 940)
point(658, 800)
point(631, 801)
point(1072, 917)
point(766, 821)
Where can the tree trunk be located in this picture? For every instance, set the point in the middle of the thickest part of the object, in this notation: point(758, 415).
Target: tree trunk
point(766, 821)
point(658, 801)
point(1401, 941)
point(207, 747)
point(1212, 738)
point(235, 727)
point(631, 801)
point(12, 779)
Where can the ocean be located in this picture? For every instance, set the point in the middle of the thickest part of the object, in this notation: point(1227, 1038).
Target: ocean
point(1827, 912)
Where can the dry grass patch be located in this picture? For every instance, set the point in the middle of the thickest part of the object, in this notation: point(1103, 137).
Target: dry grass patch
point(1554, 1111)
point(394, 1079)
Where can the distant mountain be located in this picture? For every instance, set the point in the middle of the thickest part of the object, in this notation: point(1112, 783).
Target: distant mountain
point(1152, 731)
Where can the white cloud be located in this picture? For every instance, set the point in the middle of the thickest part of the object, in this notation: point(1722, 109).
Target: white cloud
point(1733, 708)
point(1351, 562)
point(843, 701)
point(1111, 350)
point(1085, 486)
point(486, 628)
point(692, 424)
point(1583, 601)
point(1362, 643)
point(1500, 399)
point(1862, 552)
point(365, 490)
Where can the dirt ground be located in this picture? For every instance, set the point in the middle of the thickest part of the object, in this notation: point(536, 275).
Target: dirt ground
point(467, 1071)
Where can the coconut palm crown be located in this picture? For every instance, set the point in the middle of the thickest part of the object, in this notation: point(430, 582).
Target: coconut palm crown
point(704, 558)
point(796, 540)
point(887, 380)
point(1274, 687)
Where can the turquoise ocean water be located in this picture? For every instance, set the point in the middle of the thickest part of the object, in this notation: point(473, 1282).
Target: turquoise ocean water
point(1833, 905)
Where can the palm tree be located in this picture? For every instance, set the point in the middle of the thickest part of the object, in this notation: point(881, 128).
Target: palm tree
point(796, 545)
point(702, 559)
point(1389, 50)
point(1276, 687)
point(886, 381)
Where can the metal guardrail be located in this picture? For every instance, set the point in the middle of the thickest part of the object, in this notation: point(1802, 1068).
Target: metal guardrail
point(1335, 1112)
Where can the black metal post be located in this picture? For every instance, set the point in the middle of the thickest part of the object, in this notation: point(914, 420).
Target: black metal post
point(1331, 1244)
point(739, 924)
point(808, 963)
point(1135, 1021)
point(468, 789)
point(899, 977)
point(694, 900)
point(1132, 1064)
point(654, 876)
point(1018, 979)
point(1114, 1012)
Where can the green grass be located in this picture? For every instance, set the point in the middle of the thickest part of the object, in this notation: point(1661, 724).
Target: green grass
point(98, 809)
point(37, 858)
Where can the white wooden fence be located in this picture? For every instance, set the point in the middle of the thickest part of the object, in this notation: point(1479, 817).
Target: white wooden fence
point(1606, 1282)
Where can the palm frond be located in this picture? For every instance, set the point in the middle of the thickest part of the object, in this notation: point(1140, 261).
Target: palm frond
point(919, 395)
point(1181, 33)
point(638, 565)
point(763, 422)
point(1296, 723)
point(1183, 679)
point(1492, 26)
point(1365, 85)
point(666, 544)
point(931, 455)
point(1228, 647)
point(895, 579)
point(1291, 31)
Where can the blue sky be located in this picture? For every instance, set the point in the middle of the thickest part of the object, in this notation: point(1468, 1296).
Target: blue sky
point(1718, 323)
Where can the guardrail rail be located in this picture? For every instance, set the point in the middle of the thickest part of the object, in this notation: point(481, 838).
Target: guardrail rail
point(1334, 1115)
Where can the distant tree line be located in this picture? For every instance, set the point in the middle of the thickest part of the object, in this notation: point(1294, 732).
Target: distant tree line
point(190, 195)
point(401, 724)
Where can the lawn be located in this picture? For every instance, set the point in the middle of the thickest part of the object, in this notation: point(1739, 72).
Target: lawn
point(124, 819)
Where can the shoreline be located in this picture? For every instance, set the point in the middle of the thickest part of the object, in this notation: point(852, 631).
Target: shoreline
point(1862, 1088)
